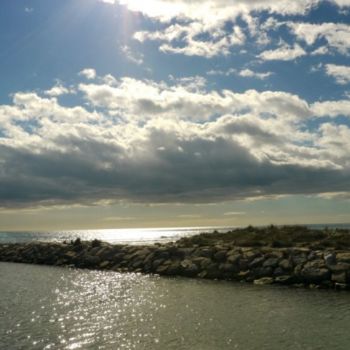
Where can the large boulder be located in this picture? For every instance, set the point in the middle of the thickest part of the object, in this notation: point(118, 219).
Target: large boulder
point(315, 274)
point(343, 257)
point(220, 256)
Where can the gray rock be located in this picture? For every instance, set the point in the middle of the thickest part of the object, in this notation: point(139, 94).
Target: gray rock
point(271, 262)
point(339, 277)
point(220, 256)
point(260, 272)
point(104, 264)
point(285, 279)
point(344, 257)
point(330, 259)
point(233, 258)
point(264, 281)
point(315, 264)
point(227, 267)
point(256, 262)
point(286, 264)
point(189, 268)
point(315, 275)
point(278, 271)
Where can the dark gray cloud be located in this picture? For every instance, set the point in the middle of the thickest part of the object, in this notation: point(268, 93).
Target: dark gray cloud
point(196, 170)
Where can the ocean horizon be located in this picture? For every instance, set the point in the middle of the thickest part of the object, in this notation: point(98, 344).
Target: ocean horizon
point(130, 235)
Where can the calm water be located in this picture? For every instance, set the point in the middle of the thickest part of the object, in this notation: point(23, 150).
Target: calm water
point(55, 308)
point(130, 236)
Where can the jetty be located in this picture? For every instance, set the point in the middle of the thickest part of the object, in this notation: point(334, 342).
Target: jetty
point(289, 255)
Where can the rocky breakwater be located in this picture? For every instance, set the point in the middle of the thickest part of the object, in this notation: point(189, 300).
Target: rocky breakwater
point(299, 266)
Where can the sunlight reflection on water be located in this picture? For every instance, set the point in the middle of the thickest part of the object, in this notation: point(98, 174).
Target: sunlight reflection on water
point(54, 308)
point(129, 236)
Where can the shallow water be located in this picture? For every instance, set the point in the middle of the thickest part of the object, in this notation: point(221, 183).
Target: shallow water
point(56, 308)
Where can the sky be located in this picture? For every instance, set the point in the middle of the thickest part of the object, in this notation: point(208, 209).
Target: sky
point(158, 113)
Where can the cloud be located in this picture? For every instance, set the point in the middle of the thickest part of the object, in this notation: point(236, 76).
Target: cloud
point(235, 213)
point(245, 73)
point(218, 42)
point(88, 73)
point(133, 57)
point(210, 28)
point(57, 90)
point(341, 74)
point(248, 73)
point(336, 35)
point(157, 142)
point(283, 53)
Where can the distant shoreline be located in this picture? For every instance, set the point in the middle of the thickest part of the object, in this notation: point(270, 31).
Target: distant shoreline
point(288, 255)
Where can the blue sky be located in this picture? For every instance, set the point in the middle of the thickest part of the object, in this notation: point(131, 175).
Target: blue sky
point(156, 113)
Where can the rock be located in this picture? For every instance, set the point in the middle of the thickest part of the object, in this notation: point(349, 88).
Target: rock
point(242, 275)
point(315, 264)
point(271, 262)
point(162, 253)
point(341, 286)
point(285, 279)
point(157, 262)
point(315, 275)
point(174, 268)
point(220, 256)
point(330, 259)
point(339, 277)
point(189, 268)
point(343, 257)
point(212, 271)
point(299, 259)
point(264, 281)
point(285, 264)
point(256, 262)
point(260, 272)
point(227, 267)
point(162, 269)
point(233, 258)
point(278, 271)
point(104, 264)
point(96, 243)
point(137, 264)
point(91, 261)
point(204, 252)
point(243, 264)
point(251, 255)
point(70, 254)
point(339, 267)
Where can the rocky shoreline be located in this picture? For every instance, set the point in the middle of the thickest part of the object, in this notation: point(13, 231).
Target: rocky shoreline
point(217, 259)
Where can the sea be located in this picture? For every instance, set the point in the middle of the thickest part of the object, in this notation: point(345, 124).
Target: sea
point(45, 307)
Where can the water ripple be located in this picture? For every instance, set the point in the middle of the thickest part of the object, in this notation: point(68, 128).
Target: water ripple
point(53, 308)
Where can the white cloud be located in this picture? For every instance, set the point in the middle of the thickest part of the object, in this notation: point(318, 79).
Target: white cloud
point(219, 42)
point(248, 73)
point(245, 73)
point(57, 90)
point(169, 142)
point(132, 56)
point(341, 74)
point(185, 23)
point(337, 35)
point(283, 53)
point(88, 73)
